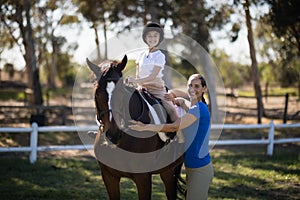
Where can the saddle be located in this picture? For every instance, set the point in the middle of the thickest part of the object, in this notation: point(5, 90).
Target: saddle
point(158, 114)
point(156, 104)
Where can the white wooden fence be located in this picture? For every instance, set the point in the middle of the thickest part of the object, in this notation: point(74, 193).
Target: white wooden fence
point(34, 130)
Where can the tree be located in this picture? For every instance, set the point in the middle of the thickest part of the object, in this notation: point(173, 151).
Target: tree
point(254, 67)
point(232, 78)
point(268, 75)
point(45, 18)
point(50, 17)
point(19, 13)
point(9, 68)
point(284, 19)
point(94, 11)
point(269, 48)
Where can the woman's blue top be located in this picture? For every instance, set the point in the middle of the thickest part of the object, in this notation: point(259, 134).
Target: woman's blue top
point(197, 137)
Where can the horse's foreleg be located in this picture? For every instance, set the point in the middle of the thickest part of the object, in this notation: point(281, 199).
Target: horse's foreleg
point(143, 183)
point(112, 184)
point(170, 181)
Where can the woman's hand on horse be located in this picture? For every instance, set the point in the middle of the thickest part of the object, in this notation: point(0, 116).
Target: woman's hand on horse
point(136, 125)
point(179, 101)
point(129, 80)
point(170, 97)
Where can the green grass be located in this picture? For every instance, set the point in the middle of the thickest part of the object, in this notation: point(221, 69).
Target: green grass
point(293, 91)
point(283, 91)
point(249, 174)
point(20, 95)
point(243, 172)
point(66, 91)
point(14, 95)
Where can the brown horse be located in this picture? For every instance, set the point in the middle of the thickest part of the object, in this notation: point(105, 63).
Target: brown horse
point(124, 153)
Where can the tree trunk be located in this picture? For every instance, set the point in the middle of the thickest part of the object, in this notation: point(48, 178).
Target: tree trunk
point(266, 91)
point(97, 42)
point(105, 39)
point(254, 68)
point(30, 58)
point(299, 91)
point(52, 70)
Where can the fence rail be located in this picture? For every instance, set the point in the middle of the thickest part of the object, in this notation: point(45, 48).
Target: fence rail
point(34, 130)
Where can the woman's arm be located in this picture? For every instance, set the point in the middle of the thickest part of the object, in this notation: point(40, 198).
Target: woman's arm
point(181, 123)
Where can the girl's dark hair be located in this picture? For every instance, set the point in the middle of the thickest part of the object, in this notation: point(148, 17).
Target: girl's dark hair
point(203, 83)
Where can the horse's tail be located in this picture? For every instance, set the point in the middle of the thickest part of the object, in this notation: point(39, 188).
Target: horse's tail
point(181, 183)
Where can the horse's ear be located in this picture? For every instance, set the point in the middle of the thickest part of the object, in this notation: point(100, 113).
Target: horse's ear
point(121, 65)
point(95, 68)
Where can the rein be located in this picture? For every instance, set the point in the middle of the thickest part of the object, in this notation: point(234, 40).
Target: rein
point(103, 112)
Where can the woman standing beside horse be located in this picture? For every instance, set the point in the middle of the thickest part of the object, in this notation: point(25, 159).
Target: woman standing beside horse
point(197, 159)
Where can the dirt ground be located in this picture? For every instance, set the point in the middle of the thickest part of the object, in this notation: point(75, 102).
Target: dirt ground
point(244, 110)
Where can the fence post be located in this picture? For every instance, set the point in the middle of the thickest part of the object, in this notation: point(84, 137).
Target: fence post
point(286, 107)
point(271, 139)
point(33, 142)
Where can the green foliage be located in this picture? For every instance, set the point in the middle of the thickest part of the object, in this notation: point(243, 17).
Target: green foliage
point(183, 67)
point(68, 19)
point(233, 74)
point(290, 74)
point(58, 92)
point(92, 10)
point(284, 22)
point(130, 67)
point(11, 95)
point(284, 16)
point(66, 70)
point(193, 18)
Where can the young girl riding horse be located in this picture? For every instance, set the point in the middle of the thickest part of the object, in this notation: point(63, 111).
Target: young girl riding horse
point(150, 65)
